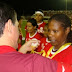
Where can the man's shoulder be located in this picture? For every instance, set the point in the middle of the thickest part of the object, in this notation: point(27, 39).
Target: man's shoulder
point(17, 62)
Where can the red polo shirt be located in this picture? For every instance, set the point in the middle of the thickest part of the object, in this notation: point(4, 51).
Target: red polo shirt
point(13, 61)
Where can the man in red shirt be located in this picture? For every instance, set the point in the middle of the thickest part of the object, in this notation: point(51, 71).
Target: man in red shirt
point(13, 61)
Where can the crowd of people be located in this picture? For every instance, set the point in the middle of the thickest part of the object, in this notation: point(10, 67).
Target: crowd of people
point(55, 36)
point(48, 46)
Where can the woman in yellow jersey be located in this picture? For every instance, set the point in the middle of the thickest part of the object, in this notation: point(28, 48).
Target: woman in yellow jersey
point(60, 36)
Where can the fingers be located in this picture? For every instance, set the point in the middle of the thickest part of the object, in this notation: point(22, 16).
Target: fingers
point(30, 45)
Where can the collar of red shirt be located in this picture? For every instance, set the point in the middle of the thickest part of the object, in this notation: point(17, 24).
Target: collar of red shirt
point(6, 49)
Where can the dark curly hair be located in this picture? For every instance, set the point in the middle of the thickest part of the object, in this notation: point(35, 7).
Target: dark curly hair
point(33, 21)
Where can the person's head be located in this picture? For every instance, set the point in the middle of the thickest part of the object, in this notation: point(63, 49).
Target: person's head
point(39, 16)
point(8, 25)
point(21, 20)
point(45, 30)
point(59, 29)
point(32, 25)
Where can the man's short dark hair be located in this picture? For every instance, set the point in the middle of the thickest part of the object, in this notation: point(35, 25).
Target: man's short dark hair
point(6, 13)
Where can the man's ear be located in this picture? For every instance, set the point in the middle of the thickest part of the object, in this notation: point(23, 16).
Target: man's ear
point(67, 30)
point(9, 25)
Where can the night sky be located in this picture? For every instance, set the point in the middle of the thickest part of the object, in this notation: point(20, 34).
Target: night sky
point(28, 7)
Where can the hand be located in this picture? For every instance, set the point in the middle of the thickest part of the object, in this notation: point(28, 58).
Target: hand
point(28, 46)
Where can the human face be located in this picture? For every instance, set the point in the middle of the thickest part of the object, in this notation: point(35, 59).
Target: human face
point(56, 33)
point(30, 27)
point(38, 17)
point(45, 31)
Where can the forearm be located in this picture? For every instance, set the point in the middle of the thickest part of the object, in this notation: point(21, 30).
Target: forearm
point(23, 50)
point(28, 46)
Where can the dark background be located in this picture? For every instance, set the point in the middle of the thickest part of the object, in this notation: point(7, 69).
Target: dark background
point(28, 7)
